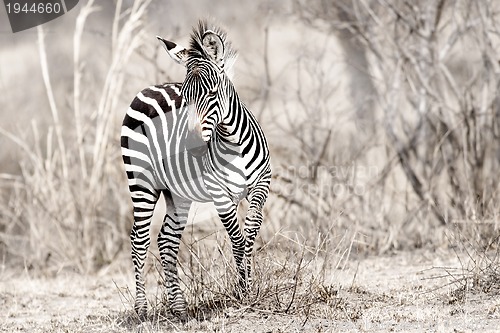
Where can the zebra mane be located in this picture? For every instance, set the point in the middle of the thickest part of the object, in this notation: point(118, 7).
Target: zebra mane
point(197, 50)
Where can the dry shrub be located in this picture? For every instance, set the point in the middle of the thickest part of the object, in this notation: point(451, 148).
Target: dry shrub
point(479, 258)
point(436, 116)
point(67, 208)
point(292, 276)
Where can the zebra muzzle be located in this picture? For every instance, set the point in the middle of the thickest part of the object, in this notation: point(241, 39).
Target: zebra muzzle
point(202, 128)
point(193, 121)
point(195, 145)
point(206, 134)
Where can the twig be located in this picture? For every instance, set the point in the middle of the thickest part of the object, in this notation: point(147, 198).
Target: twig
point(52, 102)
point(77, 72)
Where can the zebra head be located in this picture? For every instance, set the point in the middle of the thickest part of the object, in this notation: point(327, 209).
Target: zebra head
point(207, 86)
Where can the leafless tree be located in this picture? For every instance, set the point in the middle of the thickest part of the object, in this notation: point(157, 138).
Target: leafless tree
point(432, 69)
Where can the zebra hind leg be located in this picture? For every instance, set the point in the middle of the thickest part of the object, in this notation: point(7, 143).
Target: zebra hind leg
point(144, 201)
point(169, 239)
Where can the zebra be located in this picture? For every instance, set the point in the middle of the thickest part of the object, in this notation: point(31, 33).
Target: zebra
point(194, 141)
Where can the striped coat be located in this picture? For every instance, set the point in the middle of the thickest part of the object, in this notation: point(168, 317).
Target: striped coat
point(194, 141)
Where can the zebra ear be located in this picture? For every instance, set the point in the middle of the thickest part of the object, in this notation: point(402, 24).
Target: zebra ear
point(214, 47)
point(176, 52)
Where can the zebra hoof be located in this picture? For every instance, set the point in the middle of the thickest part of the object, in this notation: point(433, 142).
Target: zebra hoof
point(181, 315)
point(142, 311)
point(179, 309)
point(240, 291)
point(144, 327)
point(183, 318)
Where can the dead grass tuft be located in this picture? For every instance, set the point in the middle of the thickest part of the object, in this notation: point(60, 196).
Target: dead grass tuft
point(480, 266)
point(293, 280)
point(66, 208)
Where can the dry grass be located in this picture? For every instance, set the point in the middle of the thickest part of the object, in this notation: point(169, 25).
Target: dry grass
point(292, 281)
point(396, 293)
point(66, 209)
point(479, 270)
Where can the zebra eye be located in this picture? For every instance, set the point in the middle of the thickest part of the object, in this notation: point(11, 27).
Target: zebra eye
point(213, 91)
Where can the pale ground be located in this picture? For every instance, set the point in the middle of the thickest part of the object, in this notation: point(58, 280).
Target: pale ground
point(389, 294)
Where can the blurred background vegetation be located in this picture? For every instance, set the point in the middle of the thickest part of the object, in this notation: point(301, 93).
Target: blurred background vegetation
point(382, 116)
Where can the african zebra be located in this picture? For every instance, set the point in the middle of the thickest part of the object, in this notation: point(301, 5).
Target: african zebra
point(194, 141)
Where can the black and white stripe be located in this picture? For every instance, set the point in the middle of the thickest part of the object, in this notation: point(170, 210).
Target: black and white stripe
point(194, 141)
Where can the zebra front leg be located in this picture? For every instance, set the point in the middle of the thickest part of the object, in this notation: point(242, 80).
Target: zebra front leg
point(253, 222)
point(144, 203)
point(257, 197)
point(169, 239)
point(226, 210)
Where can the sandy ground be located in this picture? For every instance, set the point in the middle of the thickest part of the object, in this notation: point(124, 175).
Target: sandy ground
point(389, 294)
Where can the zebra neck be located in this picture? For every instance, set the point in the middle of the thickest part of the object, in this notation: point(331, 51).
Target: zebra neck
point(237, 123)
